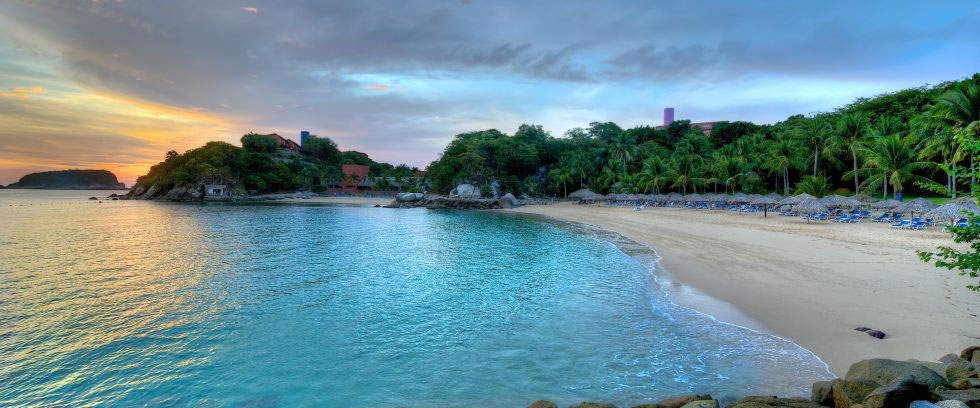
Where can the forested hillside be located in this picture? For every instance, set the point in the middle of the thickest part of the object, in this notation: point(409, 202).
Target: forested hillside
point(922, 139)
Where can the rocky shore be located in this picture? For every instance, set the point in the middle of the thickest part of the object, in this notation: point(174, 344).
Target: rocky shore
point(950, 382)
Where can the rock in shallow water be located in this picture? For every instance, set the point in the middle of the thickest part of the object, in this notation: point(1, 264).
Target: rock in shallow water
point(822, 392)
point(542, 404)
point(774, 402)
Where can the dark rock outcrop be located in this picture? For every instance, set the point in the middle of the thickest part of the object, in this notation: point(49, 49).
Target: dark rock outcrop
point(822, 392)
point(774, 402)
point(542, 404)
point(847, 393)
point(899, 393)
point(959, 370)
point(677, 401)
point(588, 404)
point(880, 371)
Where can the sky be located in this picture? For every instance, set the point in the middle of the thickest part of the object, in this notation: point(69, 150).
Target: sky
point(115, 84)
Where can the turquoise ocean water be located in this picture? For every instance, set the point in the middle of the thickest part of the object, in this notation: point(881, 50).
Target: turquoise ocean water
point(127, 303)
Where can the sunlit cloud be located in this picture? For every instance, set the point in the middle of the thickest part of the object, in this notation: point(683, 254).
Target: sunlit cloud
point(379, 87)
point(33, 89)
point(252, 10)
point(15, 95)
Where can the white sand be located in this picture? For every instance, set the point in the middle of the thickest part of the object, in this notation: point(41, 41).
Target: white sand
point(812, 283)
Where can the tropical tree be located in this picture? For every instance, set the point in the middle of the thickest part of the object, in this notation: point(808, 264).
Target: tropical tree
point(784, 152)
point(819, 134)
point(561, 176)
point(623, 147)
point(685, 170)
point(653, 175)
point(891, 160)
point(817, 186)
point(849, 134)
point(958, 110)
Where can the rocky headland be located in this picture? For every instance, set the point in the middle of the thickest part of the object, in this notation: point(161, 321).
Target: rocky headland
point(950, 382)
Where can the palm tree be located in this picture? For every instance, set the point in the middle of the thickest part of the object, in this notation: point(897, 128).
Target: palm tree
point(959, 110)
point(685, 169)
point(623, 147)
point(561, 176)
point(892, 160)
point(653, 174)
point(850, 133)
point(940, 141)
point(817, 186)
point(784, 153)
point(819, 136)
point(611, 173)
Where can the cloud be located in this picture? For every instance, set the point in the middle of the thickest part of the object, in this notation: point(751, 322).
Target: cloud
point(311, 64)
point(17, 95)
point(32, 90)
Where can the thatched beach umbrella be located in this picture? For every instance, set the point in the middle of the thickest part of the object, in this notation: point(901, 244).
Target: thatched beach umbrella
point(810, 206)
point(917, 205)
point(581, 193)
point(775, 196)
point(886, 204)
point(797, 199)
point(765, 202)
point(949, 211)
point(693, 198)
point(836, 201)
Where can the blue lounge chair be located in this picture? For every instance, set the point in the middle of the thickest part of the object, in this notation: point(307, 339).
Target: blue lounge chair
point(902, 224)
point(883, 217)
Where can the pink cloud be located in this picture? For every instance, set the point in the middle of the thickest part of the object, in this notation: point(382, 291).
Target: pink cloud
point(379, 87)
point(252, 10)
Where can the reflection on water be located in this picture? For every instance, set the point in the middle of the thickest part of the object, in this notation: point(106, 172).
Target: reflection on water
point(141, 303)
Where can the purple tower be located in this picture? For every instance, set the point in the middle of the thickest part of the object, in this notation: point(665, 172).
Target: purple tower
point(668, 116)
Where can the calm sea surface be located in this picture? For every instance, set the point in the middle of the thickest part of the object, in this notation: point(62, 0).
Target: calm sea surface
point(127, 303)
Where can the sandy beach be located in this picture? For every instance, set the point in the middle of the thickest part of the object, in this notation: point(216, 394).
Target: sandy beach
point(811, 283)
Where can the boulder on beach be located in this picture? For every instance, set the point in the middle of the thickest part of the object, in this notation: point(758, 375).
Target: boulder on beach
point(881, 371)
point(970, 353)
point(465, 191)
point(847, 393)
point(774, 402)
point(409, 197)
point(951, 404)
point(822, 392)
point(588, 404)
point(702, 404)
point(970, 397)
point(899, 393)
point(959, 370)
point(509, 201)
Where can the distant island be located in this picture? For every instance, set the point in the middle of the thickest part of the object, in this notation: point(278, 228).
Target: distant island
point(70, 180)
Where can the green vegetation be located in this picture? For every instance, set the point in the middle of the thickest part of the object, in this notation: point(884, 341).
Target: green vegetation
point(69, 179)
point(967, 263)
point(917, 141)
point(260, 165)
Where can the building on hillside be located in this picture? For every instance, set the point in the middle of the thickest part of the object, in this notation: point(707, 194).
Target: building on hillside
point(669, 118)
point(304, 135)
point(354, 175)
point(285, 143)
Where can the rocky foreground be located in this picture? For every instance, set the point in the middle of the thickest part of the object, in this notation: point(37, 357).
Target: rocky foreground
point(951, 382)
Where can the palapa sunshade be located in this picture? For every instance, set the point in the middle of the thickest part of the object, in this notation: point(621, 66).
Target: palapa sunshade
point(796, 199)
point(674, 196)
point(659, 197)
point(886, 204)
point(741, 198)
point(775, 196)
point(837, 201)
point(692, 198)
point(765, 202)
point(810, 206)
point(918, 205)
point(581, 193)
point(949, 211)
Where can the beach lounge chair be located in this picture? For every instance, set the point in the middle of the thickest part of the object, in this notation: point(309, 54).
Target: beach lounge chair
point(881, 218)
point(902, 224)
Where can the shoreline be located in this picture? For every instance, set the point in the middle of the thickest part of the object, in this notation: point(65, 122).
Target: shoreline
point(808, 284)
